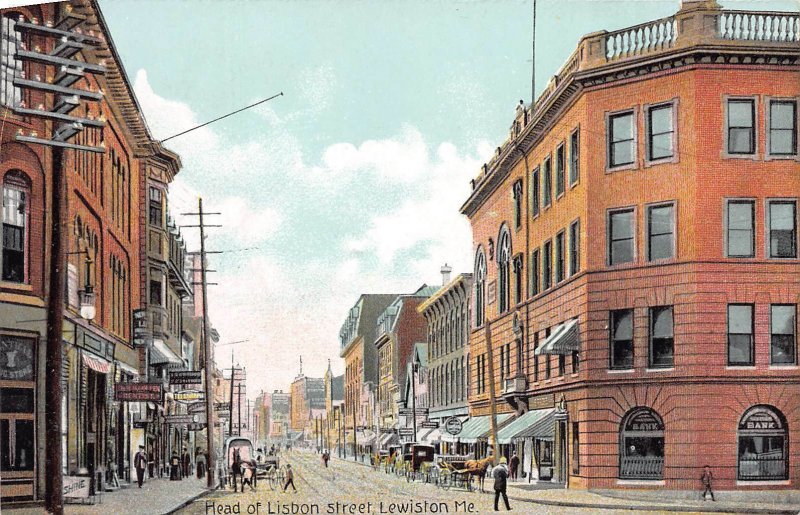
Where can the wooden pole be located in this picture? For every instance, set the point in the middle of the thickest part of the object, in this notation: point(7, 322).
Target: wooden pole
point(493, 397)
point(208, 365)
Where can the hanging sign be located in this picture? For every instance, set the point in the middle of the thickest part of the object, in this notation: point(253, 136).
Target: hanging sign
point(185, 377)
point(453, 425)
point(188, 396)
point(131, 392)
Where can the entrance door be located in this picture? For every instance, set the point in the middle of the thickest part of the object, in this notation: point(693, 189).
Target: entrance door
point(562, 451)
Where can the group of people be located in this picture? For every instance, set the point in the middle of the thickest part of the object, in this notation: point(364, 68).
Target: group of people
point(179, 466)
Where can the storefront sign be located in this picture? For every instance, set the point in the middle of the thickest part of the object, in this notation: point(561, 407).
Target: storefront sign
point(761, 419)
point(99, 346)
point(188, 396)
point(196, 426)
point(222, 406)
point(141, 332)
point(180, 419)
point(645, 420)
point(409, 411)
point(430, 424)
point(453, 425)
point(128, 392)
point(197, 407)
point(185, 377)
point(76, 486)
point(406, 431)
point(16, 358)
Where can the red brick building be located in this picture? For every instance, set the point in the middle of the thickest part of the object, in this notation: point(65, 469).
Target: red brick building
point(636, 260)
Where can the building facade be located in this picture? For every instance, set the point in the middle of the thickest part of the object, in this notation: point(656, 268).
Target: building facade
point(635, 260)
point(279, 429)
point(334, 399)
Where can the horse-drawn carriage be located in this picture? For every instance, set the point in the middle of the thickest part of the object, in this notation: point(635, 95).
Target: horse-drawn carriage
point(458, 473)
point(271, 471)
point(417, 461)
point(238, 450)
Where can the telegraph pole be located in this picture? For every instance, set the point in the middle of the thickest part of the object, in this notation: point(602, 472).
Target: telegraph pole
point(493, 398)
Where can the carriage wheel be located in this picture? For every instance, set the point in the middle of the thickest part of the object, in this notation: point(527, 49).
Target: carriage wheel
point(468, 481)
point(409, 476)
point(445, 479)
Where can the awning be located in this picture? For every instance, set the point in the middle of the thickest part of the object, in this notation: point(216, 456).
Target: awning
point(537, 421)
point(99, 365)
point(365, 438)
point(127, 368)
point(433, 435)
point(479, 427)
point(543, 428)
point(564, 340)
point(160, 354)
point(387, 439)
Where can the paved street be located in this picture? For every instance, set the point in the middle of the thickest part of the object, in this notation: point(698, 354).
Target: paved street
point(353, 485)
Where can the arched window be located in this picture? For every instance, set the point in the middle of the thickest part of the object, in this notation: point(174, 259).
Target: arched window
point(641, 445)
point(763, 445)
point(10, 66)
point(503, 268)
point(16, 219)
point(480, 287)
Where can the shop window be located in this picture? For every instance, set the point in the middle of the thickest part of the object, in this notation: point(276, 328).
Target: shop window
point(662, 339)
point(16, 198)
point(621, 337)
point(782, 226)
point(741, 114)
point(763, 453)
point(17, 364)
point(782, 334)
point(782, 128)
point(740, 334)
point(641, 453)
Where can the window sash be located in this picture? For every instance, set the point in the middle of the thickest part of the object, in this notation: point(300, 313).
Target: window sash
point(660, 231)
point(621, 239)
point(534, 270)
point(574, 158)
point(741, 134)
point(547, 267)
point(621, 149)
point(560, 170)
point(740, 334)
point(575, 248)
point(535, 192)
point(547, 193)
point(782, 334)
point(782, 229)
point(662, 337)
point(621, 339)
point(784, 135)
point(559, 257)
point(660, 143)
point(741, 230)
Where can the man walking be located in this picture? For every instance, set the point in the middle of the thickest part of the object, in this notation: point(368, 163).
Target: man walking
point(140, 462)
point(500, 475)
point(514, 466)
point(325, 457)
point(289, 478)
point(706, 479)
point(185, 462)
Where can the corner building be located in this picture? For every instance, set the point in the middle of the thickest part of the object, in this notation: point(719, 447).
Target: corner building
point(636, 260)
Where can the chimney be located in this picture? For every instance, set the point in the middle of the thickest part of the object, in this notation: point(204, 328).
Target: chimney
point(446, 274)
point(699, 4)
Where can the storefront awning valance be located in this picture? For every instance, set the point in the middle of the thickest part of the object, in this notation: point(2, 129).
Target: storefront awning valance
point(525, 422)
point(387, 439)
point(543, 428)
point(365, 438)
point(564, 340)
point(99, 365)
point(127, 368)
point(477, 428)
point(431, 436)
point(160, 354)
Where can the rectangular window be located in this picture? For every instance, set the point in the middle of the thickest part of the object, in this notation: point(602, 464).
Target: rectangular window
point(576, 362)
point(547, 265)
point(534, 271)
point(660, 232)
point(535, 192)
point(620, 237)
point(15, 209)
point(562, 364)
point(559, 257)
point(782, 334)
point(574, 248)
point(660, 132)
point(502, 364)
point(783, 128)
point(547, 193)
point(621, 141)
point(10, 66)
point(662, 339)
point(155, 293)
point(741, 126)
point(156, 207)
point(535, 356)
point(517, 204)
point(574, 157)
point(621, 339)
point(740, 228)
point(560, 170)
point(740, 334)
point(782, 228)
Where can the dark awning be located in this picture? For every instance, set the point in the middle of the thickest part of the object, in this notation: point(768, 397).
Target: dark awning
point(543, 428)
point(529, 422)
point(564, 340)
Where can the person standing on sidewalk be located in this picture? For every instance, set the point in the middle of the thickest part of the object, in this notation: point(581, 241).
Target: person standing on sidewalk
point(500, 475)
point(514, 466)
point(289, 478)
point(185, 462)
point(706, 479)
point(325, 457)
point(174, 467)
point(140, 462)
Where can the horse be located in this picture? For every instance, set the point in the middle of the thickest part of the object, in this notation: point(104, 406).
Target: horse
point(236, 467)
point(478, 469)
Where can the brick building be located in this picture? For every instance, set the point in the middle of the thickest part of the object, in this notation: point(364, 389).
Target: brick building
point(636, 260)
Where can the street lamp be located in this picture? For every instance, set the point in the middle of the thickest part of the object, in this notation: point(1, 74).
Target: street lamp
point(86, 295)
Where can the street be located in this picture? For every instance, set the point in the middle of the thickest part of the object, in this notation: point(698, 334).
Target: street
point(348, 487)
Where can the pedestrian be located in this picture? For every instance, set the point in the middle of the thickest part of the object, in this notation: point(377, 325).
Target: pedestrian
point(247, 475)
point(151, 464)
point(289, 478)
point(175, 467)
point(140, 462)
point(706, 479)
point(186, 462)
point(500, 475)
point(325, 457)
point(514, 466)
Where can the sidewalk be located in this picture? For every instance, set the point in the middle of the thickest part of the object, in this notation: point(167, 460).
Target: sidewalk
point(156, 497)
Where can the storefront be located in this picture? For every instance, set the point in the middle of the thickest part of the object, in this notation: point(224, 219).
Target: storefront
point(476, 431)
point(530, 436)
point(763, 445)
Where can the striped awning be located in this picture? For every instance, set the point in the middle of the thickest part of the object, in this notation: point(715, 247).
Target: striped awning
point(543, 428)
point(478, 428)
point(538, 423)
point(564, 340)
point(160, 354)
point(99, 365)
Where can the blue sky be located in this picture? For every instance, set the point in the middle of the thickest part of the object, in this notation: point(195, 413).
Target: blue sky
point(352, 181)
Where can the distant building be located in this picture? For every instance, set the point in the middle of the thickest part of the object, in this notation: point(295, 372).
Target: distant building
point(279, 425)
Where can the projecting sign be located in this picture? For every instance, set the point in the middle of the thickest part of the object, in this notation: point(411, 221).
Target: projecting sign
point(188, 395)
point(222, 406)
point(141, 334)
point(185, 377)
point(196, 407)
point(409, 411)
point(130, 392)
point(196, 426)
point(406, 431)
point(180, 419)
point(453, 425)
point(429, 424)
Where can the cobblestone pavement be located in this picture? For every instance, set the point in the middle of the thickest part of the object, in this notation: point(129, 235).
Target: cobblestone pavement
point(348, 488)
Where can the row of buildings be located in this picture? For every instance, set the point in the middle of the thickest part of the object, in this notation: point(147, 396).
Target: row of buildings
point(132, 315)
point(633, 303)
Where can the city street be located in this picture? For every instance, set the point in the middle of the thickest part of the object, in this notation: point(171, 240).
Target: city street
point(354, 488)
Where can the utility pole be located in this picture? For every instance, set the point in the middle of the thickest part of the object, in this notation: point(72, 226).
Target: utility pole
point(492, 397)
point(238, 409)
point(414, 400)
point(355, 442)
point(533, 59)
point(230, 398)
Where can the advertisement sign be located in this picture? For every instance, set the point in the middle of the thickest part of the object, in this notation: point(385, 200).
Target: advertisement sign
point(409, 411)
point(197, 407)
point(188, 396)
point(196, 426)
point(141, 333)
point(185, 377)
point(430, 424)
point(453, 425)
point(130, 392)
point(76, 486)
point(222, 406)
point(180, 419)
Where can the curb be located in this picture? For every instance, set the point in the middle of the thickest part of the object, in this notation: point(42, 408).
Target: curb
point(189, 501)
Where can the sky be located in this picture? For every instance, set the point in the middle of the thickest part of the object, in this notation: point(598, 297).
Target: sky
point(350, 182)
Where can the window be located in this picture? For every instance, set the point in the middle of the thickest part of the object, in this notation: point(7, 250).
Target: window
point(156, 207)
point(660, 132)
point(503, 268)
point(782, 334)
point(574, 157)
point(518, 282)
point(535, 356)
point(547, 266)
point(763, 453)
point(662, 338)
point(576, 362)
point(155, 293)
point(782, 227)
point(574, 247)
point(562, 364)
point(576, 453)
point(16, 199)
point(621, 142)
point(517, 204)
point(621, 339)
point(782, 128)
point(502, 364)
point(480, 287)
point(535, 192)
point(10, 67)
point(641, 449)
point(547, 193)
point(740, 334)
point(546, 356)
point(741, 126)
point(559, 257)
point(560, 171)
point(660, 232)
point(534, 271)
point(621, 237)
point(740, 228)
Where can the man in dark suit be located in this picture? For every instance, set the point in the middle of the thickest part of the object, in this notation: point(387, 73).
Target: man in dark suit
point(139, 463)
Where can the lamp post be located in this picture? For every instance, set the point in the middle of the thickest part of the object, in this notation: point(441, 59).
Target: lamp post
point(87, 300)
